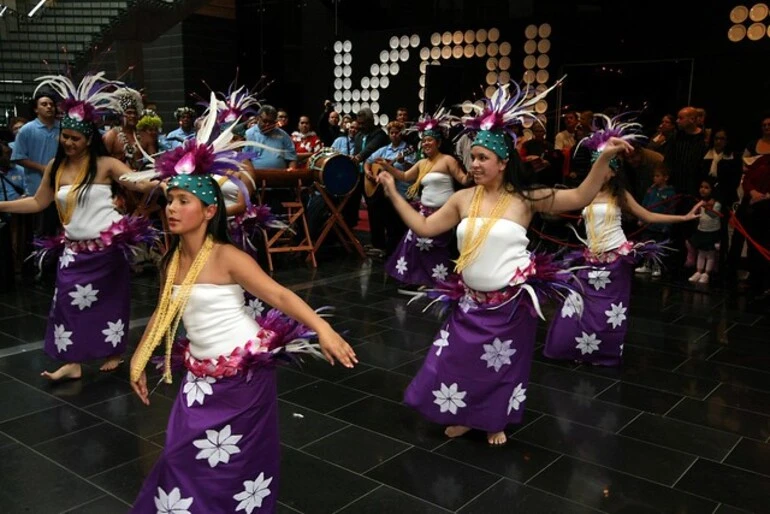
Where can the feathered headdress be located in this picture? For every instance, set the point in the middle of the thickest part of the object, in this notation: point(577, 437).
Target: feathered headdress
point(237, 102)
point(190, 165)
point(129, 99)
point(149, 119)
point(500, 114)
point(436, 125)
point(611, 127)
point(84, 104)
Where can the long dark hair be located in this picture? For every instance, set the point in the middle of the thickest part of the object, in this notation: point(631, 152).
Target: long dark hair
point(519, 176)
point(95, 150)
point(217, 227)
point(617, 187)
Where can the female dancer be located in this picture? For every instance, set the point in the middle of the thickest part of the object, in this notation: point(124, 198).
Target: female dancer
point(477, 374)
point(222, 449)
point(591, 328)
point(426, 260)
point(91, 304)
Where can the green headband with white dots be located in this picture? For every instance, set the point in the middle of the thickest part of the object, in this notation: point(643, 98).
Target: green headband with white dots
point(494, 141)
point(202, 186)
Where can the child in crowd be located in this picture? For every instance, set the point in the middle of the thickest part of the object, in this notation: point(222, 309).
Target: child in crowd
point(657, 200)
point(705, 241)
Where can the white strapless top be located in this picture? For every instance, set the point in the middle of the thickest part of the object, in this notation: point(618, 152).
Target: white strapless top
point(229, 191)
point(436, 189)
point(216, 320)
point(93, 215)
point(614, 236)
point(501, 254)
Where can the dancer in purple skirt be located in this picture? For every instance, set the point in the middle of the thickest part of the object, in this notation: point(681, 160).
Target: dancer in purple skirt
point(221, 453)
point(426, 260)
point(476, 373)
point(591, 326)
point(90, 309)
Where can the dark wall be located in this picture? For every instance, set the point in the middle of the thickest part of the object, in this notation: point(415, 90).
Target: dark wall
point(164, 67)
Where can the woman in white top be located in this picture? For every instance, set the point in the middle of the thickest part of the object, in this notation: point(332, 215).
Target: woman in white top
point(91, 305)
point(221, 453)
point(424, 261)
point(477, 371)
point(591, 326)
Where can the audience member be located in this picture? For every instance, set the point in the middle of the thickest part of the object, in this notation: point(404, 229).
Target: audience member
point(266, 132)
point(306, 142)
point(657, 199)
point(665, 132)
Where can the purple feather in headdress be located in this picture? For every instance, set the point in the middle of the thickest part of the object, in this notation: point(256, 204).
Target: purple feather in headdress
point(611, 127)
point(92, 98)
point(440, 121)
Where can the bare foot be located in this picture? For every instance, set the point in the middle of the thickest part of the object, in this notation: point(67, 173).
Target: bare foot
point(456, 431)
point(71, 371)
point(496, 438)
point(111, 363)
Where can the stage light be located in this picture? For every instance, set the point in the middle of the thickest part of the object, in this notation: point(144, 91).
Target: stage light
point(529, 62)
point(469, 51)
point(457, 52)
point(446, 38)
point(347, 71)
point(364, 105)
point(375, 107)
point(435, 53)
point(544, 31)
point(756, 31)
point(421, 93)
point(423, 67)
point(490, 91)
point(504, 63)
point(384, 82)
point(338, 95)
point(355, 106)
point(435, 39)
point(36, 8)
point(414, 41)
point(365, 95)
point(404, 41)
point(356, 94)
point(491, 78)
point(530, 32)
point(404, 55)
point(384, 69)
point(338, 71)
point(492, 64)
point(422, 80)
point(347, 46)
point(529, 77)
point(481, 35)
point(365, 82)
point(505, 48)
point(394, 42)
point(347, 95)
point(492, 49)
point(394, 68)
point(446, 52)
point(337, 83)
point(542, 76)
point(481, 50)
point(338, 46)
point(421, 107)
point(543, 61)
point(347, 58)
point(457, 37)
point(338, 59)
point(346, 107)
point(2, 11)
point(543, 46)
point(384, 56)
point(425, 53)
point(494, 35)
point(374, 69)
point(338, 107)
point(394, 55)
point(530, 46)
point(504, 77)
point(541, 107)
point(384, 119)
point(347, 83)
point(758, 12)
point(527, 122)
point(470, 36)
point(375, 95)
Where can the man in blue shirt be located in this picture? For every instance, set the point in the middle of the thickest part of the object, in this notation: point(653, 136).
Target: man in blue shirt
point(265, 132)
point(185, 116)
point(37, 142)
point(346, 143)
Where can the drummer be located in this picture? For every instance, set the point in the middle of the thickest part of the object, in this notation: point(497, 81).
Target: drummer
point(306, 142)
point(385, 226)
point(267, 133)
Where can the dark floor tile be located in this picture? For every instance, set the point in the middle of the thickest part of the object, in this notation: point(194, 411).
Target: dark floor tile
point(92, 388)
point(506, 497)
point(29, 302)
point(27, 328)
point(129, 413)
point(658, 379)
point(32, 483)
point(410, 369)
point(657, 328)
point(726, 373)
point(356, 449)
point(360, 312)
point(394, 420)
point(126, 480)
point(402, 340)
point(640, 357)
point(381, 356)
point(579, 408)
point(300, 426)
point(103, 505)
point(516, 460)
point(685, 437)
point(727, 484)
point(744, 332)
point(539, 357)
point(48, 424)
point(717, 415)
point(358, 329)
point(568, 380)
point(752, 456)
point(641, 398)
point(387, 500)
point(423, 324)
point(615, 492)
point(8, 341)
point(729, 509)
point(6, 311)
point(288, 380)
point(385, 384)
point(609, 450)
point(337, 373)
point(743, 358)
point(96, 449)
point(17, 399)
point(309, 484)
point(323, 396)
point(670, 344)
point(433, 478)
point(742, 398)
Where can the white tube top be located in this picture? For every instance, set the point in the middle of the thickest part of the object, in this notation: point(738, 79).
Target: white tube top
point(436, 189)
point(92, 216)
point(216, 320)
point(501, 254)
point(229, 190)
point(614, 236)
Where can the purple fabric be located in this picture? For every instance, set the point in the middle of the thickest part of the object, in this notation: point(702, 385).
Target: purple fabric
point(222, 452)
point(421, 260)
point(476, 373)
point(91, 306)
point(598, 335)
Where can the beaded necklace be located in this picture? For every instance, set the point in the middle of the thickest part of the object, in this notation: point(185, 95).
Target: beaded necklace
point(169, 312)
point(68, 209)
point(472, 241)
point(424, 168)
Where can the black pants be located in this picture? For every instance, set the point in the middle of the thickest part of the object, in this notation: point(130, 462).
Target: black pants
point(385, 225)
point(759, 230)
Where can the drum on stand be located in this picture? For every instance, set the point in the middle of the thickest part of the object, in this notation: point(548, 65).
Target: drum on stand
point(337, 173)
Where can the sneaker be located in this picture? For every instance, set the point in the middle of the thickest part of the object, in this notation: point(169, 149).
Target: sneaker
point(656, 272)
point(704, 278)
point(642, 269)
point(695, 276)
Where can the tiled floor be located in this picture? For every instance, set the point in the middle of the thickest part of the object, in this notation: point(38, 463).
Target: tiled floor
point(683, 427)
